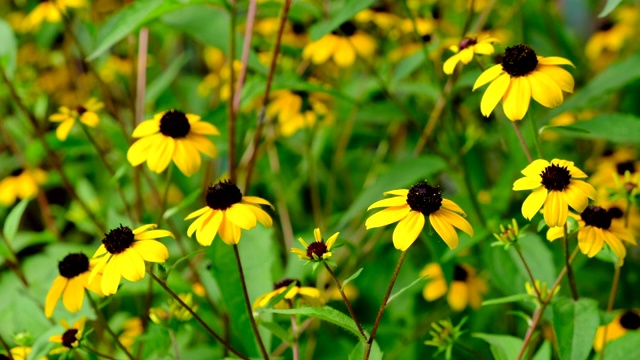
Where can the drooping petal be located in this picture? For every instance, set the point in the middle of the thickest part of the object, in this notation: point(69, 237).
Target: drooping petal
point(488, 75)
point(555, 233)
point(140, 150)
point(146, 128)
point(527, 183)
point(445, 230)
point(90, 119)
point(344, 55)
point(54, 294)
point(494, 94)
point(198, 213)
point(450, 64)
point(554, 60)
point(458, 296)
point(450, 205)
point(574, 196)
point(242, 216)
point(407, 230)
point(73, 295)
point(515, 102)
point(203, 145)
point(111, 276)
point(62, 132)
point(387, 216)
point(484, 48)
point(197, 224)
point(544, 90)
point(466, 55)
point(206, 235)
point(389, 202)
point(533, 203)
point(435, 289)
point(555, 209)
point(256, 200)
point(229, 232)
point(261, 215)
point(161, 155)
point(456, 220)
point(131, 265)
point(561, 76)
point(586, 188)
point(204, 128)
point(153, 234)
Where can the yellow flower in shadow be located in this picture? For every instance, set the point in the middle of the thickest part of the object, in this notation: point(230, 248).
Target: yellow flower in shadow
point(606, 44)
point(86, 113)
point(49, 11)
point(297, 110)
point(71, 337)
point(74, 272)
point(466, 50)
point(307, 295)
point(131, 329)
point(466, 289)
point(617, 328)
point(341, 46)
point(19, 352)
point(21, 184)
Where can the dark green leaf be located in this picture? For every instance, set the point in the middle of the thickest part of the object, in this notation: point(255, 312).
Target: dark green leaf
point(277, 330)
point(625, 347)
point(503, 347)
point(351, 278)
point(414, 282)
point(619, 128)
point(575, 324)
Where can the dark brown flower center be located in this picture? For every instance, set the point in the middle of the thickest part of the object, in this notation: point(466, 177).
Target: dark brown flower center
point(466, 42)
point(118, 240)
point(623, 167)
point(555, 177)
point(426, 38)
point(615, 212)
point(222, 195)
point(81, 109)
point(69, 337)
point(285, 283)
point(298, 28)
point(424, 198)
point(519, 60)
point(73, 265)
point(630, 320)
point(459, 273)
point(606, 25)
point(347, 29)
point(318, 248)
point(174, 123)
point(596, 216)
point(4, 357)
point(17, 172)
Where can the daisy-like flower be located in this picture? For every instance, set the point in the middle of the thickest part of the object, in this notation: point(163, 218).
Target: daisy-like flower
point(598, 226)
point(307, 295)
point(465, 51)
point(123, 253)
point(86, 113)
point(227, 213)
point(522, 75)
point(318, 250)
point(606, 43)
point(172, 135)
point(555, 186)
point(21, 184)
point(296, 110)
point(466, 289)
point(343, 49)
point(74, 272)
point(50, 11)
point(71, 337)
point(18, 353)
point(617, 328)
point(409, 208)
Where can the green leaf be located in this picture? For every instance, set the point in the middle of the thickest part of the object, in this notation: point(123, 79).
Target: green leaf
point(346, 12)
point(625, 347)
point(535, 252)
point(351, 278)
point(277, 330)
point(544, 353)
point(325, 313)
point(8, 48)
point(575, 324)
point(358, 351)
point(159, 84)
point(609, 7)
point(12, 222)
point(414, 282)
point(618, 128)
point(185, 203)
point(503, 347)
point(508, 299)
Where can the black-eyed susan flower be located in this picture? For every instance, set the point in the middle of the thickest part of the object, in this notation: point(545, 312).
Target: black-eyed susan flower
point(611, 168)
point(123, 253)
point(21, 184)
point(409, 208)
point(172, 135)
point(627, 321)
point(556, 187)
point(71, 337)
point(50, 11)
point(296, 110)
point(465, 51)
point(343, 45)
point(85, 113)
point(18, 353)
point(226, 214)
point(522, 75)
point(218, 81)
point(307, 295)
point(598, 226)
point(74, 272)
point(466, 289)
point(318, 250)
point(612, 34)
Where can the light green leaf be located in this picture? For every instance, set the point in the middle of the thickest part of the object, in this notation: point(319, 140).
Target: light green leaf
point(8, 48)
point(159, 84)
point(618, 128)
point(535, 252)
point(358, 352)
point(345, 12)
point(575, 324)
point(414, 282)
point(544, 353)
point(277, 330)
point(351, 278)
point(185, 203)
point(508, 299)
point(503, 347)
point(11, 224)
point(625, 347)
point(327, 314)
point(609, 7)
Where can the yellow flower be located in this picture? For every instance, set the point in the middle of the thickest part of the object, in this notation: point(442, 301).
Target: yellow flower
point(409, 208)
point(227, 213)
point(466, 289)
point(618, 327)
point(296, 110)
point(131, 329)
point(70, 339)
point(606, 43)
point(610, 170)
point(380, 17)
point(343, 49)
point(522, 75)
point(317, 250)
point(555, 186)
point(19, 352)
point(67, 117)
point(598, 226)
point(74, 272)
point(465, 51)
point(50, 11)
point(123, 253)
point(220, 76)
point(308, 295)
point(22, 184)
point(172, 135)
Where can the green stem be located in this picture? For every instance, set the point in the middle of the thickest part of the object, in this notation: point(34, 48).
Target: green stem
point(104, 322)
point(516, 128)
point(344, 297)
point(570, 275)
point(612, 298)
point(163, 205)
point(536, 136)
point(6, 347)
point(96, 353)
point(526, 265)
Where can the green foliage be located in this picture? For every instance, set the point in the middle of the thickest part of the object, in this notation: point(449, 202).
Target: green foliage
point(575, 324)
point(344, 13)
point(11, 224)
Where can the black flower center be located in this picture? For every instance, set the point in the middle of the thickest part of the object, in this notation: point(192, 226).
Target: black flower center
point(298, 28)
point(222, 195)
point(4, 357)
point(174, 123)
point(318, 248)
point(606, 25)
point(118, 240)
point(459, 273)
point(615, 212)
point(596, 216)
point(555, 177)
point(17, 172)
point(623, 167)
point(73, 265)
point(426, 38)
point(81, 109)
point(346, 29)
point(466, 42)
point(519, 60)
point(285, 283)
point(69, 337)
point(424, 198)
point(630, 320)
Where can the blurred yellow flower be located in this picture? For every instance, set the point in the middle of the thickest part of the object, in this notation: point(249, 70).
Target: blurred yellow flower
point(465, 51)
point(342, 46)
point(318, 250)
point(296, 110)
point(70, 339)
point(160, 315)
point(605, 44)
point(617, 328)
point(50, 11)
point(466, 289)
point(131, 329)
point(219, 77)
point(21, 184)
point(307, 295)
point(86, 113)
point(74, 272)
point(19, 352)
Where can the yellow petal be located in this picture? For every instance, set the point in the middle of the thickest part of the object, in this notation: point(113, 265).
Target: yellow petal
point(206, 235)
point(398, 192)
point(515, 102)
point(146, 128)
point(54, 294)
point(555, 233)
point(450, 64)
point(256, 200)
point(198, 213)
point(577, 199)
point(554, 60)
point(533, 203)
point(394, 201)
point(62, 132)
point(527, 183)
point(561, 76)
point(153, 234)
point(466, 55)
point(132, 265)
point(444, 229)
point(450, 205)
point(458, 296)
point(484, 48)
point(90, 118)
point(344, 55)
point(161, 155)
point(261, 216)
point(435, 289)
point(544, 90)
point(407, 230)
point(494, 94)
point(536, 168)
point(456, 220)
point(332, 240)
point(111, 276)
point(139, 151)
point(387, 216)
point(204, 128)
point(241, 216)
point(197, 224)
point(186, 157)
point(203, 145)
point(73, 295)
point(555, 209)
point(229, 233)
point(487, 76)
point(586, 188)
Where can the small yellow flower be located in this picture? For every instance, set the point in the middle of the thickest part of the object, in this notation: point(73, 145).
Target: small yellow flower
point(131, 329)
point(410, 207)
point(466, 289)
point(123, 253)
point(50, 11)
point(74, 272)
point(522, 75)
point(86, 113)
point(317, 250)
point(70, 339)
point(618, 327)
point(296, 110)
point(21, 184)
point(172, 135)
point(19, 352)
point(343, 49)
point(308, 295)
point(556, 187)
point(226, 214)
point(465, 51)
